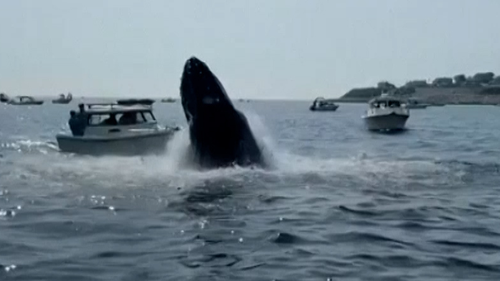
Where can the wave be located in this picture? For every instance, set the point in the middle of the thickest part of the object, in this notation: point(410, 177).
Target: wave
point(24, 145)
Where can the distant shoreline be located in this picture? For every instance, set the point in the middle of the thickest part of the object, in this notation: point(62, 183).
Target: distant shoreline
point(479, 89)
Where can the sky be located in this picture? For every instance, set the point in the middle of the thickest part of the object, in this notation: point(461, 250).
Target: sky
point(261, 49)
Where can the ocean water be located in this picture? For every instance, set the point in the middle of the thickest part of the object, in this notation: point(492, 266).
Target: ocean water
point(341, 203)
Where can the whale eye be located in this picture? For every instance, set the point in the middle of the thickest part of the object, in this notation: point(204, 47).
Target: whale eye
point(208, 100)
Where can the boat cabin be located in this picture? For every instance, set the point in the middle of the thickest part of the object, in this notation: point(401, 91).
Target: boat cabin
point(113, 118)
point(385, 102)
point(323, 104)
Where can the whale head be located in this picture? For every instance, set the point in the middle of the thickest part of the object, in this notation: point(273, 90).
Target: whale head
point(219, 134)
point(202, 93)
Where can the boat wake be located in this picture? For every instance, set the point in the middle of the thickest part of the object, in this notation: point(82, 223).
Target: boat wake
point(29, 146)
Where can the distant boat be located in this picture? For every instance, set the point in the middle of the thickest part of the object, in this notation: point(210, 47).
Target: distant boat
point(4, 97)
point(414, 104)
point(25, 100)
point(169, 100)
point(321, 104)
point(63, 99)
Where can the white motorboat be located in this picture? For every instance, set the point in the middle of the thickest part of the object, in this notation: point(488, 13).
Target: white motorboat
point(386, 113)
point(24, 100)
point(321, 104)
point(127, 127)
point(63, 99)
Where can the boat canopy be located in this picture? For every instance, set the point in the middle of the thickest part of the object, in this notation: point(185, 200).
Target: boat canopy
point(120, 106)
point(387, 100)
point(323, 101)
point(102, 108)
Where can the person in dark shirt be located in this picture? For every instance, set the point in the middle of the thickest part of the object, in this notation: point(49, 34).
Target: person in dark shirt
point(111, 120)
point(82, 116)
point(75, 124)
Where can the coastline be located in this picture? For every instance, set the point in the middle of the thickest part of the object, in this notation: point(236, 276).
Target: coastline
point(432, 95)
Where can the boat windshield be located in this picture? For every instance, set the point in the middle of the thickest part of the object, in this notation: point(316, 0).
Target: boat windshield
point(386, 103)
point(121, 118)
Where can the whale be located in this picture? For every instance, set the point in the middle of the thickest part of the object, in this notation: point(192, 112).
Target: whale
point(219, 134)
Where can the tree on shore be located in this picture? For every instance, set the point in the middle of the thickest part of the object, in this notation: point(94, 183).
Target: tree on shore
point(384, 85)
point(483, 77)
point(459, 79)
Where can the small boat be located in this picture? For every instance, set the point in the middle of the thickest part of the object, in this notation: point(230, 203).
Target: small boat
point(386, 113)
point(4, 97)
point(169, 100)
point(321, 104)
point(437, 104)
point(63, 99)
point(25, 100)
point(414, 104)
point(126, 128)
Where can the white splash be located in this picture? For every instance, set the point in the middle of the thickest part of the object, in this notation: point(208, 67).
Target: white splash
point(170, 169)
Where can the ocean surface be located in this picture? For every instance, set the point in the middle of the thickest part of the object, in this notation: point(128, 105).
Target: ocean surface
point(341, 203)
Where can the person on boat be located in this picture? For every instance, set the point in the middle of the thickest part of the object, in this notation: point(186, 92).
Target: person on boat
point(82, 116)
point(111, 120)
point(128, 118)
point(81, 106)
point(75, 124)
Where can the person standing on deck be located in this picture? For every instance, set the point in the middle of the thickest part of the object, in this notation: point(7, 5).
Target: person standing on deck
point(75, 124)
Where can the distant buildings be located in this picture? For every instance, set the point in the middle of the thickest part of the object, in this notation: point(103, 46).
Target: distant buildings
point(460, 80)
point(443, 90)
point(442, 82)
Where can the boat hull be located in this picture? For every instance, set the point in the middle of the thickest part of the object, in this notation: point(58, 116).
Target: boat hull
point(326, 108)
point(391, 122)
point(416, 106)
point(143, 144)
point(26, 103)
point(61, 101)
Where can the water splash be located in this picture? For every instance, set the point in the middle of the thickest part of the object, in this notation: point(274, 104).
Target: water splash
point(172, 170)
point(29, 146)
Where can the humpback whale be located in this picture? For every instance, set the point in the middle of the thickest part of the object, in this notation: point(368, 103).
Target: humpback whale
point(219, 134)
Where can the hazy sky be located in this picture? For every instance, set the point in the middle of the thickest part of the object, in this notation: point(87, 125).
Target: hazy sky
point(258, 48)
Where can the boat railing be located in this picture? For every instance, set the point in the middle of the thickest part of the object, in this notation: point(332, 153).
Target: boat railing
point(102, 104)
point(111, 105)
